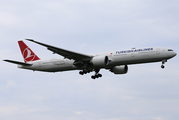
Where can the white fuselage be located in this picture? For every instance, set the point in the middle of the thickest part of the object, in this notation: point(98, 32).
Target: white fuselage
point(117, 58)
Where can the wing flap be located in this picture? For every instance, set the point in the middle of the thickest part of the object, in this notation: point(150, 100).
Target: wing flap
point(19, 63)
point(65, 53)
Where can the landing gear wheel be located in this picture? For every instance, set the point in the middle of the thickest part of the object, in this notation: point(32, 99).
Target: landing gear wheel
point(84, 72)
point(96, 76)
point(81, 73)
point(99, 75)
point(162, 66)
point(93, 77)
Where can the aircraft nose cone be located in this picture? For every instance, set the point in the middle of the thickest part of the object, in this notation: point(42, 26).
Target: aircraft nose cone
point(172, 54)
point(175, 53)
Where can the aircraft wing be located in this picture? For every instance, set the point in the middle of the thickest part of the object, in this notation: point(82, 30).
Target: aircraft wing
point(65, 53)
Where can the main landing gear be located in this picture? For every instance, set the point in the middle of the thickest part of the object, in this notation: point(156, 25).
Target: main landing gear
point(163, 62)
point(97, 74)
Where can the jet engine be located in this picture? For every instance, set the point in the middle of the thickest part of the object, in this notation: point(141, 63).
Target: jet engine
point(100, 61)
point(123, 69)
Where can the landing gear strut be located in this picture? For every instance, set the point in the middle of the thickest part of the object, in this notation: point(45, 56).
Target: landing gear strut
point(163, 62)
point(97, 75)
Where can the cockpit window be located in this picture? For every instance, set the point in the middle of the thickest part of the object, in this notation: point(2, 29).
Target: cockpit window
point(170, 50)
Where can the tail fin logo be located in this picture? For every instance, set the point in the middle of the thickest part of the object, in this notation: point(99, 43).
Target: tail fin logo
point(27, 53)
point(28, 56)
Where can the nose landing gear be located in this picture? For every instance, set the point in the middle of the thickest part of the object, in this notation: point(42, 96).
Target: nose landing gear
point(163, 62)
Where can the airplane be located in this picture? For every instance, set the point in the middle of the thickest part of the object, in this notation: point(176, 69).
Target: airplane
point(117, 62)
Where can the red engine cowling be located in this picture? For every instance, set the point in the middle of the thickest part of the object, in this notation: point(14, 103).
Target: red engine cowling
point(100, 61)
point(123, 69)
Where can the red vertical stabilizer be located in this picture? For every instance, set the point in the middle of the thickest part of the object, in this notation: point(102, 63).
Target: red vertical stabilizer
point(27, 53)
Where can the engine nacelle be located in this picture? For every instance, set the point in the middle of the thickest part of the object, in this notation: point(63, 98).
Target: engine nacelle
point(100, 61)
point(123, 69)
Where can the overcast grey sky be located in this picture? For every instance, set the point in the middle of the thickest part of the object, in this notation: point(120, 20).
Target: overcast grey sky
point(146, 92)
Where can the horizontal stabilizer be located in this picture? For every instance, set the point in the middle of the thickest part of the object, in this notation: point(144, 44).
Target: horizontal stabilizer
point(19, 63)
